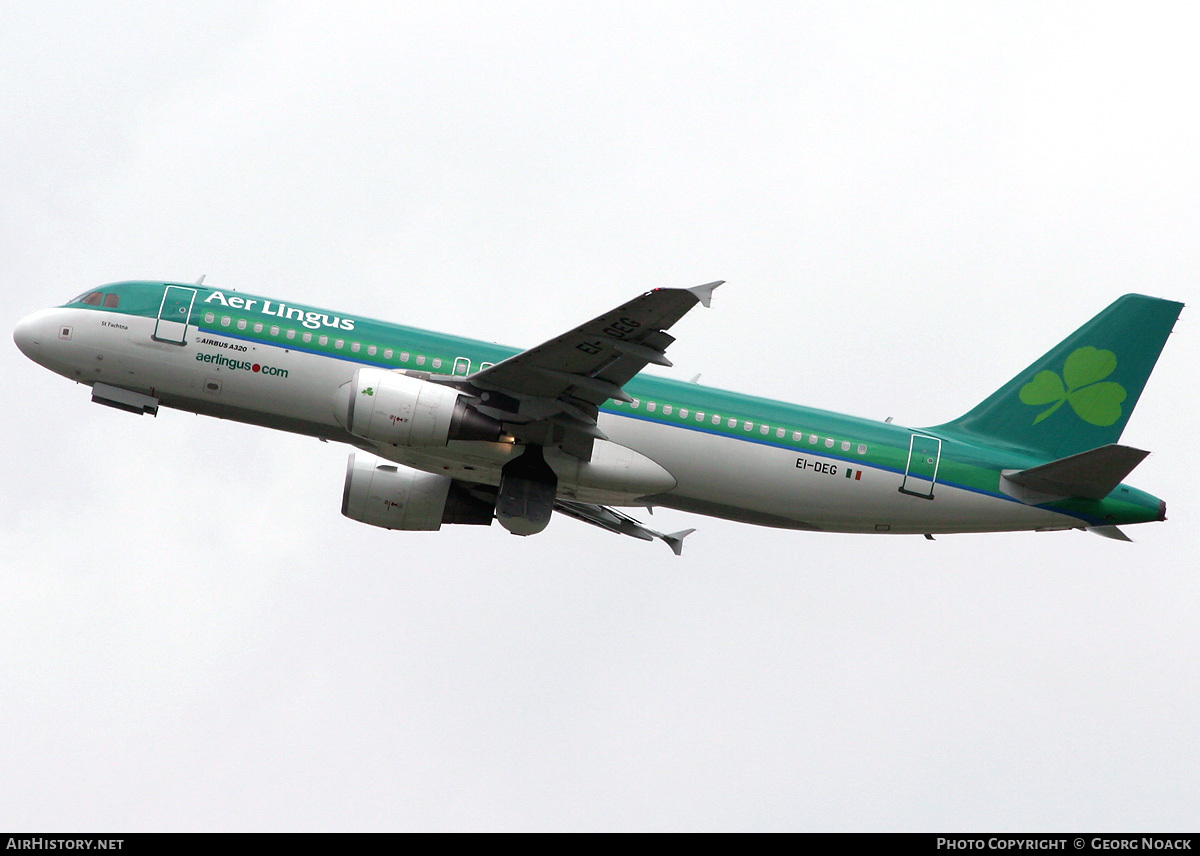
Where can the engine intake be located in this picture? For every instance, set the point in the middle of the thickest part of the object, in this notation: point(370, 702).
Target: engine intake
point(389, 407)
point(384, 494)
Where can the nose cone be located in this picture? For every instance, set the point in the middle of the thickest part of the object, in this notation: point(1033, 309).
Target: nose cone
point(37, 335)
point(27, 335)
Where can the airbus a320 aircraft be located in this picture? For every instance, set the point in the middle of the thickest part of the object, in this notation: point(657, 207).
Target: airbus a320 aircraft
point(455, 431)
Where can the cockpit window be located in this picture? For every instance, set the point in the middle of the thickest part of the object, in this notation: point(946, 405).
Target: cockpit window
point(91, 298)
point(112, 300)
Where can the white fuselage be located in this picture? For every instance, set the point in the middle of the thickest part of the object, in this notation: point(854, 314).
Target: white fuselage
point(724, 476)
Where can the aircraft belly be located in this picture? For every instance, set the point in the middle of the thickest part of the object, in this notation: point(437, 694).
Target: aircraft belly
point(762, 483)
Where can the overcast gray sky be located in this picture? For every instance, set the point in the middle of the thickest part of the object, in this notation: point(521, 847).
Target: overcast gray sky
point(909, 202)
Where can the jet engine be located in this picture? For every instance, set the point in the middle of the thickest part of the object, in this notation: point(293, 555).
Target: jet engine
point(384, 494)
point(390, 407)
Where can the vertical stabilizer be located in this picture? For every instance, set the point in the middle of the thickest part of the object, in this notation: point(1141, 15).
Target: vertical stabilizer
point(1078, 396)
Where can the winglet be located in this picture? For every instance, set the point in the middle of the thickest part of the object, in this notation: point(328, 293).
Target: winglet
point(675, 539)
point(704, 292)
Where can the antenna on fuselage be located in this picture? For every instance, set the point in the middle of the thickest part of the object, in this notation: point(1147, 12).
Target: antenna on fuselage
point(200, 281)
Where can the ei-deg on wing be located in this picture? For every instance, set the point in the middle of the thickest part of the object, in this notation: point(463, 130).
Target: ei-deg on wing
point(551, 394)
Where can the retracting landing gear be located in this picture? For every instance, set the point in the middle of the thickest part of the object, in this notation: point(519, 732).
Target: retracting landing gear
point(526, 498)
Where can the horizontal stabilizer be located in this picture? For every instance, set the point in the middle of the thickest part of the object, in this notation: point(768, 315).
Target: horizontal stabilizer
point(1110, 532)
point(1090, 475)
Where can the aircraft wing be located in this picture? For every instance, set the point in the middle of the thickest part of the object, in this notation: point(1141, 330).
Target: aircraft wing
point(565, 380)
point(623, 524)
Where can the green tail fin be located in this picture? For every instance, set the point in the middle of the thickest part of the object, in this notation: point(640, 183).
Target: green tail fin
point(1079, 395)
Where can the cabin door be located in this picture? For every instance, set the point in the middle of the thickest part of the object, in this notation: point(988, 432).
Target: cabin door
point(924, 455)
point(174, 314)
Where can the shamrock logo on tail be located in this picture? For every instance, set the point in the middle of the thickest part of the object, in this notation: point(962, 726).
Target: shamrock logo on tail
point(1082, 383)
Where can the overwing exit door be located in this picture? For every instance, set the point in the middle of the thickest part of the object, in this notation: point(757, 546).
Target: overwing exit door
point(924, 455)
point(174, 314)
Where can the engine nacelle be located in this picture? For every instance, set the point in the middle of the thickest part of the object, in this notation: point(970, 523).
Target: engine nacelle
point(384, 494)
point(389, 407)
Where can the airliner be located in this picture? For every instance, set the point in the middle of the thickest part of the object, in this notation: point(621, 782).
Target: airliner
point(454, 431)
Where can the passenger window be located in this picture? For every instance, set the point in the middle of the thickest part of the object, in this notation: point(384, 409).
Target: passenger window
point(112, 301)
point(483, 366)
point(324, 340)
point(797, 435)
point(338, 343)
point(437, 363)
point(779, 432)
point(828, 442)
point(652, 406)
point(812, 438)
point(845, 445)
point(93, 299)
point(766, 429)
point(387, 355)
point(699, 415)
point(667, 410)
point(258, 327)
point(716, 420)
point(209, 317)
point(371, 350)
point(683, 413)
point(225, 319)
point(420, 359)
point(291, 334)
point(634, 404)
point(274, 330)
point(241, 325)
point(862, 448)
point(404, 356)
point(307, 337)
point(749, 426)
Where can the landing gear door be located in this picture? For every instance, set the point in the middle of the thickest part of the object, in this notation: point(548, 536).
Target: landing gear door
point(924, 455)
point(174, 314)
